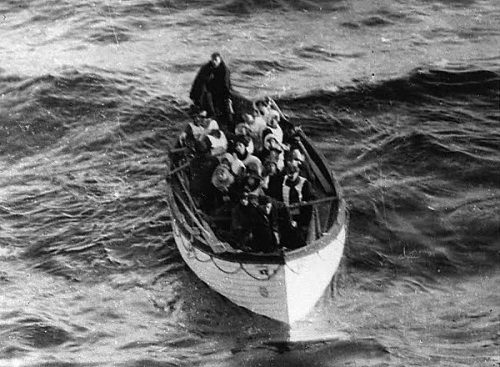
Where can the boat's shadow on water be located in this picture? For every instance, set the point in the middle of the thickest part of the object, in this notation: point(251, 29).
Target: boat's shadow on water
point(314, 353)
point(252, 340)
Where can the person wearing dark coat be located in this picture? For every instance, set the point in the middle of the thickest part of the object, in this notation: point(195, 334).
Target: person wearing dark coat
point(264, 225)
point(211, 90)
point(241, 228)
point(294, 189)
point(202, 167)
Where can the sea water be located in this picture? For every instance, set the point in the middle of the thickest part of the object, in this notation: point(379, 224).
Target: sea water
point(402, 97)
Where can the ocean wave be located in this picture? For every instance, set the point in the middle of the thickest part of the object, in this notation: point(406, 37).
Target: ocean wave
point(411, 150)
point(421, 85)
point(244, 7)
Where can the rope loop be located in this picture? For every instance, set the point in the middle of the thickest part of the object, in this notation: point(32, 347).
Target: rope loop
point(266, 278)
point(225, 271)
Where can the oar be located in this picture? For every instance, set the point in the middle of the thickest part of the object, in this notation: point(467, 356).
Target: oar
point(179, 168)
point(317, 171)
point(313, 202)
point(211, 240)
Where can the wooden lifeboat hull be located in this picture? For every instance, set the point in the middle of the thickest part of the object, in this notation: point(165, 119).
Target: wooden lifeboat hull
point(284, 290)
point(284, 286)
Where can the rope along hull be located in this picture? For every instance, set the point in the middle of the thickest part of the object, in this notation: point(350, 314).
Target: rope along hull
point(284, 292)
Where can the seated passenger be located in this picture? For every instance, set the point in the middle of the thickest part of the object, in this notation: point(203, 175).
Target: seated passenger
point(241, 152)
point(272, 180)
point(273, 152)
point(264, 225)
point(226, 159)
point(198, 128)
point(253, 165)
point(242, 129)
point(201, 168)
point(238, 168)
point(256, 125)
point(273, 127)
point(241, 228)
point(217, 194)
point(216, 141)
point(295, 190)
point(262, 108)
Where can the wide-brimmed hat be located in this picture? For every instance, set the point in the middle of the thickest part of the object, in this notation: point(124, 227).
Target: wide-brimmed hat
point(226, 156)
point(297, 155)
point(222, 177)
point(241, 126)
point(253, 164)
point(269, 144)
point(274, 115)
point(237, 166)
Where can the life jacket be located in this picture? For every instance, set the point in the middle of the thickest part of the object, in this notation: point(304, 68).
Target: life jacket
point(286, 193)
point(218, 145)
point(256, 130)
point(242, 162)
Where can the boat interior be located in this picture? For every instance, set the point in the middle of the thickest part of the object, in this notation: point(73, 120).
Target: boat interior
point(206, 232)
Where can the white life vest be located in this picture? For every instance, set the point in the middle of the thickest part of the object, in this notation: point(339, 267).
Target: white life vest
point(217, 145)
point(256, 129)
point(286, 190)
point(276, 132)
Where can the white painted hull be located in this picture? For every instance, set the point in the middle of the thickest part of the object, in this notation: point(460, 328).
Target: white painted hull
point(282, 292)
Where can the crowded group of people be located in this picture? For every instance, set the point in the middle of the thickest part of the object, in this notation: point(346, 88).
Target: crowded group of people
point(244, 174)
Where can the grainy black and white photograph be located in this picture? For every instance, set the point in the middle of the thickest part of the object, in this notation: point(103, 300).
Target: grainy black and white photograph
point(249, 183)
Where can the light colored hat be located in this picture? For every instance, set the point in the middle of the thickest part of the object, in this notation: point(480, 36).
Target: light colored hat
point(237, 166)
point(297, 155)
point(273, 114)
point(268, 143)
point(254, 164)
point(213, 125)
point(222, 178)
point(238, 130)
point(228, 156)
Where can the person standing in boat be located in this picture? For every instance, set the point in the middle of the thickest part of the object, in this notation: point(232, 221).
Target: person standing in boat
point(211, 90)
point(264, 225)
point(241, 229)
point(296, 189)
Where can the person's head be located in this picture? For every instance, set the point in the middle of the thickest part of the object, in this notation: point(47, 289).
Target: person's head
point(201, 118)
point(244, 198)
point(216, 59)
point(238, 168)
point(271, 143)
point(291, 170)
point(254, 167)
point(222, 178)
point(248, 118)
point(274, 118)
point(253, 198)
point(266, 205)
point(262, 107)
point(227, 160)
point(253, 181)
point(297, 158)
point(242, 129)
point(240, 147)
point(270, 168)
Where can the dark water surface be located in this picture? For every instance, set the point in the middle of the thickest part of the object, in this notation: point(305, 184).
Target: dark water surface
point(402, 98)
